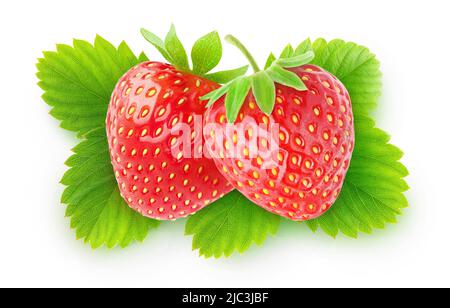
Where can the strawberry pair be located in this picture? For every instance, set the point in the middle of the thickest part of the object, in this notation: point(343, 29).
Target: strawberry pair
point(179, 141)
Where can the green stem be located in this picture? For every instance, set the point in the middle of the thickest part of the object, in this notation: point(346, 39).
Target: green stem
point(234, 41)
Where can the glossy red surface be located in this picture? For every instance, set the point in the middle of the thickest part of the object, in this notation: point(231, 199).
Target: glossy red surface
point(156, 176)
point(303, 176)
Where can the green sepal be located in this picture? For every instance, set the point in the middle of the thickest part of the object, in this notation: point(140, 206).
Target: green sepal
point(224, 77)
point(157, 42)
point(303, 47)
point(176, 50)
point(288, 52)
point(286, 78)
point(236, 96)
point(270, 60)
point(206, 53)
point(214, 96)
point(297, 60)
point(264, 91)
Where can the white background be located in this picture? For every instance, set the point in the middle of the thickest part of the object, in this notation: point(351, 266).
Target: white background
point(409, 37)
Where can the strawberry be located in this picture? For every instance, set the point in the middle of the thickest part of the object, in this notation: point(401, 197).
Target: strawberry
point(151, 130)
point(291, 159)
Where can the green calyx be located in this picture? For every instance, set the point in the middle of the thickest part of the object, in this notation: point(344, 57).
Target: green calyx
point(262, 83)
point(206, 55)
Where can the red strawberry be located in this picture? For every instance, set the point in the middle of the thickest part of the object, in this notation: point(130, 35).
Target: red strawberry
point(303, 178)
point(149, 101)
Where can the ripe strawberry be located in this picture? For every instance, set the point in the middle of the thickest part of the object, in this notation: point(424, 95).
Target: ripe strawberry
point(149, 101)
point(303, 178)
point(152, 127)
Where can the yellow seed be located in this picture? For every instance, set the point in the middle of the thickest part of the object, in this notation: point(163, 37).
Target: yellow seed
point(151, 92)
point(161, 112)
point(335, 141)
point(259, 161)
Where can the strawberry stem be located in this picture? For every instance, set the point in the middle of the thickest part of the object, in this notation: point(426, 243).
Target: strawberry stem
point(234, 41)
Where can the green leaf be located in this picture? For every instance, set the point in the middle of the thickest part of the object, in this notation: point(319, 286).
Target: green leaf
point(224, 77)
point(231, 224)
point(270, 60)
point(176, 50)
point(157, 42)
point(78, 81)
point(97, 211)
point(355, 66)
point(206, 53)
point(235, 97)
point(287, 78)
point(264, 91)
point(288, 52)
point(373, 191)
point(372, 195)
point(297, 60)
point(303, 48)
